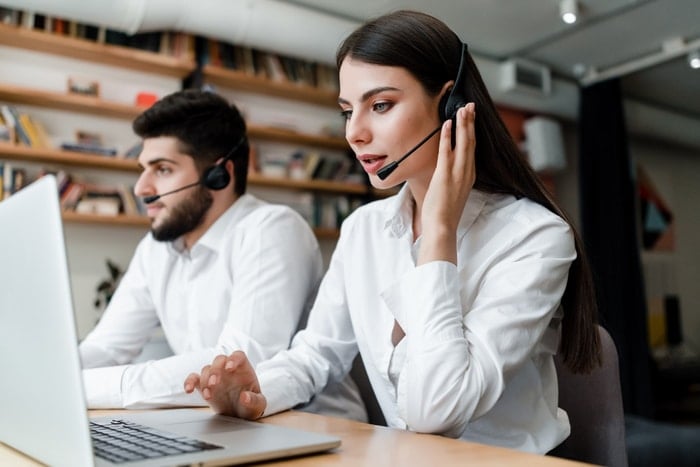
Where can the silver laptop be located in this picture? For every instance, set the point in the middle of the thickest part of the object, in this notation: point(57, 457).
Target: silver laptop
point(42, 405)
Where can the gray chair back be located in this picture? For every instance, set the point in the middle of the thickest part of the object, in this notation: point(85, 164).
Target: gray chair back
point(594, 404)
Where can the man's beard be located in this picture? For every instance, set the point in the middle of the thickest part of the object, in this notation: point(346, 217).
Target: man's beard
point(185, 217)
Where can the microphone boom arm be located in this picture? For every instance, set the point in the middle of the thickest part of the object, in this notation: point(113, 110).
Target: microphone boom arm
point(385, 171)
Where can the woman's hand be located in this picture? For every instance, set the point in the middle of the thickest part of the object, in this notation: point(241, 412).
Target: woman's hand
point(230, 386)
point(449, 189)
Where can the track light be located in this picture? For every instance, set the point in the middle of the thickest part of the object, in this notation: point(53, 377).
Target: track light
point(694, 59)
point(568, 9)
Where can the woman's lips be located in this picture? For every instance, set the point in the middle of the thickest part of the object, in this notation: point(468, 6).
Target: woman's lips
point(372, 163)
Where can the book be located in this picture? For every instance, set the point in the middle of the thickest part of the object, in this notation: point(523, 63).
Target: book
point(10, 122)
point(100, 200)
point(103, 206)
point(129, 203)
point(5, 131)
point(71, 196)
point(9, 16)
point(7, 180)
point(89, 148)
point(36, 136)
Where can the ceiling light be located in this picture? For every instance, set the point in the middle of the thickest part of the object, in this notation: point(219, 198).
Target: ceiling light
point(694, 59)
point(568, 9)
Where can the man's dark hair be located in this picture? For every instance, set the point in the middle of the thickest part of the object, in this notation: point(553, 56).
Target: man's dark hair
point(206, 126)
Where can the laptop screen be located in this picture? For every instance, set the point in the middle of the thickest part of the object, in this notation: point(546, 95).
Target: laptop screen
point(43, 410)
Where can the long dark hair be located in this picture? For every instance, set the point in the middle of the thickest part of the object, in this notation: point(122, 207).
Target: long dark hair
point(431, 52)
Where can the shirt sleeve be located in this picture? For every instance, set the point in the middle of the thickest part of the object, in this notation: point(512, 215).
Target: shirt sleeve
point(323, 352)
point(274, 274)
point(126, 324)
point(460, 349)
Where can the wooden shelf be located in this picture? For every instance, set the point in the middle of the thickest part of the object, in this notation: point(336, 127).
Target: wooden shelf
point(68, 158)
point(96, 161)
point(308, 185)
point(96, 106)
point(289, 136)
point(246, 82)
point(120, 220)
point(65, 101)
point(123, 220)
point(107, 54)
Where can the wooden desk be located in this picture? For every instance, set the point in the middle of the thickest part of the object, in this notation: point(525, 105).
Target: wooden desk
point(364, 444)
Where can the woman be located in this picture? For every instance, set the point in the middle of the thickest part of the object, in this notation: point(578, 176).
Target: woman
point(454, 290)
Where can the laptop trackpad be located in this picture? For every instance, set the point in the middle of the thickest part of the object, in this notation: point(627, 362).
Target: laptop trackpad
point(191, 422)
point(211, 425)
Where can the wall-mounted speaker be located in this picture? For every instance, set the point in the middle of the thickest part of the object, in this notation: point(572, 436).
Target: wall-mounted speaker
point(544, 144)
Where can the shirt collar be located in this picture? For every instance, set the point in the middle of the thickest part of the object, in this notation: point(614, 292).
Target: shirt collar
point(212, 238)
point(399, 212)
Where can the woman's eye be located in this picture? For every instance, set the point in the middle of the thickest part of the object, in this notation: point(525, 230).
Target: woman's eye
point(346, 114)
point(381, 106)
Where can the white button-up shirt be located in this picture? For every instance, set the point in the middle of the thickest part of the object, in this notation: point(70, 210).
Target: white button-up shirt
point(243, 286)
point(476, 361)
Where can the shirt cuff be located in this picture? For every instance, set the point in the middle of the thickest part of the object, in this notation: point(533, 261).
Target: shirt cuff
point(275, 386)
point(426, 296)
point(103, 387)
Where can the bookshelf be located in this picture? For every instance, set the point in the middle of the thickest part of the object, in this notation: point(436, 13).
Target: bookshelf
point(160, 64)
point(107, 54)
point(64, 101)
point(96, 161)
point(96, 106)
point(246, 82)
point(123, 220)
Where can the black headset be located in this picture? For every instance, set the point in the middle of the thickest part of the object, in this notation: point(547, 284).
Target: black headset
point(217, 177)
point(452, 101)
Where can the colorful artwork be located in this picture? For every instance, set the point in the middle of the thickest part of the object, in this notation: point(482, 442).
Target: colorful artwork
point(656, 216)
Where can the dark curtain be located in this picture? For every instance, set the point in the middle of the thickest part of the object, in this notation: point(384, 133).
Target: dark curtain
point(609, 227)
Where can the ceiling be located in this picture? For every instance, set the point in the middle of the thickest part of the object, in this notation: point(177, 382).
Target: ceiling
point(625, 38)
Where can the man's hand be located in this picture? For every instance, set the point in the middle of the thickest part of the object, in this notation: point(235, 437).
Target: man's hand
point(230, 386)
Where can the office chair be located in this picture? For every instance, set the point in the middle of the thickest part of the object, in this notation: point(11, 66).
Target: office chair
point(375, 416)
point(594, 404)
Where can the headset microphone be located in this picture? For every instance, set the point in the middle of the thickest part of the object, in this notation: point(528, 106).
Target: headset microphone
point(385, 171)
point(154, 198)
point(450, 103)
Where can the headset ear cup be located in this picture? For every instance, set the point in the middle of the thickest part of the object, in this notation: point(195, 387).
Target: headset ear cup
point(442, 107)
point(216, 177)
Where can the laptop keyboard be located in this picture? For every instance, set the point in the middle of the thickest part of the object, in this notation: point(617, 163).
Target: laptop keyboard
point(122, 441)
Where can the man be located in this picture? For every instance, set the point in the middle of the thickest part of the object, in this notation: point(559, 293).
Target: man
point(219, 271)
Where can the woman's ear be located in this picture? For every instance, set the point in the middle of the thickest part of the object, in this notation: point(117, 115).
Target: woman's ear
point(444, 96)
